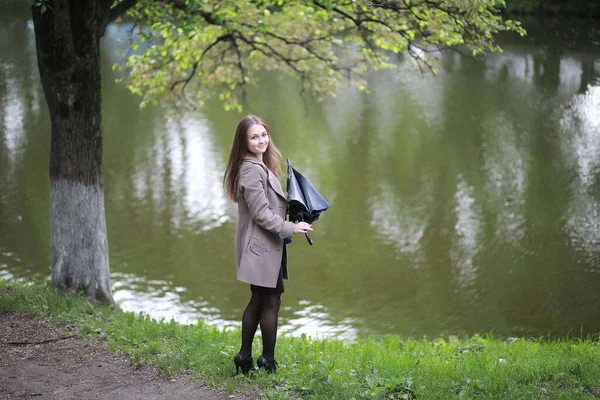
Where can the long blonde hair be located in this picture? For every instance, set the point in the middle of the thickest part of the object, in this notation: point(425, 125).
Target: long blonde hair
point(239, 149)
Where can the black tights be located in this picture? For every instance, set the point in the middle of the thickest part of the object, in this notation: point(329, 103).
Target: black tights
point(261, 308)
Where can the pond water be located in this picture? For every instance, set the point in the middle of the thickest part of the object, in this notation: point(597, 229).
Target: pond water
point(461, 203)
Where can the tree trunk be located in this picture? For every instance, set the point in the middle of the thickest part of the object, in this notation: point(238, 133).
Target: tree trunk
point(68, 49)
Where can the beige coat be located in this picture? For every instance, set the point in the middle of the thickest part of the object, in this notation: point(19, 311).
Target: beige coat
point(261, 225)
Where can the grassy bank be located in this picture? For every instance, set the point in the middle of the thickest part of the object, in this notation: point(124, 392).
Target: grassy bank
point(479, 367)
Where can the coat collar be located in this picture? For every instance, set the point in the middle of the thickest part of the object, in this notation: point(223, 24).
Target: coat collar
point(253, 158)
point(273, 180)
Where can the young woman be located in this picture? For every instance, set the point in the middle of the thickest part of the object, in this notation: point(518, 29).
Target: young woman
point(252, 180)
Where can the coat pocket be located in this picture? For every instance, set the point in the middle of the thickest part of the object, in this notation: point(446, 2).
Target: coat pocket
point(259, 246)
point(256, 246)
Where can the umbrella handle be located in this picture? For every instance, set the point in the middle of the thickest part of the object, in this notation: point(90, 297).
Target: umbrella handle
point(308, 239)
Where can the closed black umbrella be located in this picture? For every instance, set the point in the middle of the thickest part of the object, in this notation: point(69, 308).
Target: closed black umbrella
point(304, 202)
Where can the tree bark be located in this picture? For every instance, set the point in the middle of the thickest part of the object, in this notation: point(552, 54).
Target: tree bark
point(68, 49)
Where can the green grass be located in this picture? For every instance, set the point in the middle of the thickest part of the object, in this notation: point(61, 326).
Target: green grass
point(480, 367)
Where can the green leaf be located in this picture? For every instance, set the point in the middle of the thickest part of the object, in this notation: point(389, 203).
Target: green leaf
point(299, 38)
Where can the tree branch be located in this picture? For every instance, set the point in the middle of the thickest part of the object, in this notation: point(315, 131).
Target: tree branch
point(181, 5)
point(187, 80)
point(115, 12)
point(242, 71)
point(43, 341)
point(272, 53)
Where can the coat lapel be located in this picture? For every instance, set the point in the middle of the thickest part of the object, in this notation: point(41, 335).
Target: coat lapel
point(273, 180)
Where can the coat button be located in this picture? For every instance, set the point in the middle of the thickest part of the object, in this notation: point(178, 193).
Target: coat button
point(270, 205)
point(268, 248)
point(282, 235)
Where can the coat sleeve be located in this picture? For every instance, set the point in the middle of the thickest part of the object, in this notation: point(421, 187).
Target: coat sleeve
point(251, 184)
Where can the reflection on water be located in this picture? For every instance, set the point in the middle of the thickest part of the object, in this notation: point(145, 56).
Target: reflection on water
point(506, 170)
point(460, 203)
point(13, 113)
point(467, 228)
point(583, 147)
point(585, 113)
point(517, 66)
point(314, 320)
point(163, 300)
point(184, 151)
point(570, 76)
point(4, 274)
point(403, 225)
point(528, 67)
point(16, 100)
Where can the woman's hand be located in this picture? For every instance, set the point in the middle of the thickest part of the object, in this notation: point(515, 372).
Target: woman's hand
point(302, 227)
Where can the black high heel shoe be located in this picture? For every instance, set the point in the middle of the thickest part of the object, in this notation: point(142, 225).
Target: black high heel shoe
point(244, 363)
point(269, 365)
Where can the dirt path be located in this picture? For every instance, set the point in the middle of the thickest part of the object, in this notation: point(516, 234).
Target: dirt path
point(45, 361)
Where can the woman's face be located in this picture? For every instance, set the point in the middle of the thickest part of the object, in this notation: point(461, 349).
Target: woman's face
point(257, 140)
